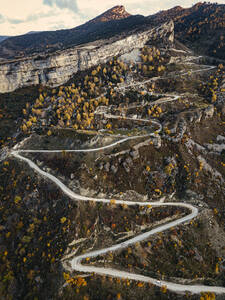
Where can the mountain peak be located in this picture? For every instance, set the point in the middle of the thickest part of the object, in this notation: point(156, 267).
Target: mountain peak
point(115, 13)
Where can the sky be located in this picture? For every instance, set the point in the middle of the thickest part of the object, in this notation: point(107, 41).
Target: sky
point(22, 16)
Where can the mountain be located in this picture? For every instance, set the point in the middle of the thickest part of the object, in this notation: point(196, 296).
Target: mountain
point(116, 21)
point(33, 32)
point(202, 27)
point(112, 163)
point(116, 13)
point(3, 37)
point(47, 57)
point(53, 69)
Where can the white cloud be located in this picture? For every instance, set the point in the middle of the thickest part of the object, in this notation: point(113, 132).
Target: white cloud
point(21, 16)
point(69, 4)
point(20, 9)
point(35, 16)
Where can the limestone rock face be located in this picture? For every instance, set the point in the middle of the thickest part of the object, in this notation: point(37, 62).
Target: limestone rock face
point(56, 69)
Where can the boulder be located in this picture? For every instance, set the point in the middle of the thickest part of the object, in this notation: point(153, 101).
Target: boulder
point(209, 112)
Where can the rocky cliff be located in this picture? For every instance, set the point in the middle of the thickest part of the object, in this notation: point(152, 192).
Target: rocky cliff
point(56, 69)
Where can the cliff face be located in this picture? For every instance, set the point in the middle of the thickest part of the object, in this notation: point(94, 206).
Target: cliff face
point(56, 69)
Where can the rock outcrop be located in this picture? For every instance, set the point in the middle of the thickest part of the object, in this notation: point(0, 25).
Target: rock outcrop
point(116, 13)
point(56, 69)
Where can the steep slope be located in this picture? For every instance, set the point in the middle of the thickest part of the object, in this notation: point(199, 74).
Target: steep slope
point(116, 13)
point(156, 130)
point(57, 68)
point(116, 21)
point(44, 57)
point(201, 27)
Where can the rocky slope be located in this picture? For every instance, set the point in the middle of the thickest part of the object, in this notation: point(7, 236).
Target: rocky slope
point(181, 160)
point(200, 27)
point(56, 69)
point(161, 121)
point(116, 13)
point(116, 21)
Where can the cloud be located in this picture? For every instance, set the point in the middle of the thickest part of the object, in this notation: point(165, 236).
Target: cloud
point(2, 19)
point(38, 16)
point(69, 4)
point(16, 21)
point(30, 18)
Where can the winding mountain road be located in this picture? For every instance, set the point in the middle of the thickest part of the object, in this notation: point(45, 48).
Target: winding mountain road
point(76, 262)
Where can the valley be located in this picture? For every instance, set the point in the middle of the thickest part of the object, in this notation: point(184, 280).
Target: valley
point(112, 178)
